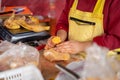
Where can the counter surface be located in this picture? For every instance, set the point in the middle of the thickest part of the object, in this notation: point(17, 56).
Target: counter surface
point(48, 68)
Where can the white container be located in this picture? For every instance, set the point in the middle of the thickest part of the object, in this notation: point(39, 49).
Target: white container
point(29, 72)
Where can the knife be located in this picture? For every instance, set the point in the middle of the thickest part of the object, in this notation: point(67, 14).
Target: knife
point(16, 11)
point(68, 71)
point(7, 12)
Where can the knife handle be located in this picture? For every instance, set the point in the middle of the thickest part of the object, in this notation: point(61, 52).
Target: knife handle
point(7, 12)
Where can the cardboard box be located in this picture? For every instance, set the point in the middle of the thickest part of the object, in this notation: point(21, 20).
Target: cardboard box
point(19, 10)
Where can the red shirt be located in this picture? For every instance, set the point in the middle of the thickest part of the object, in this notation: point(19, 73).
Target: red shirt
point(111, 36)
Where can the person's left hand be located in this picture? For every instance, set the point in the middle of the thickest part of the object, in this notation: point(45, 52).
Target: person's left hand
point(72, 47)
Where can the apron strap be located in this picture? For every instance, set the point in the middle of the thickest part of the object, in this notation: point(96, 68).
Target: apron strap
point(99, 6)
point(74, 6)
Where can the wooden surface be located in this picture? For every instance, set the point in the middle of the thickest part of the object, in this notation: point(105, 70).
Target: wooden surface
point(48, 68)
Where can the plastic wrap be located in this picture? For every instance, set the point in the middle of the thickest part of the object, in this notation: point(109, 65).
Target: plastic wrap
point(5, 45)
point(96, 66)
point(16, 55)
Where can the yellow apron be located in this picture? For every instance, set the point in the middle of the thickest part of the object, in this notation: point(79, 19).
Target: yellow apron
point(84, 26)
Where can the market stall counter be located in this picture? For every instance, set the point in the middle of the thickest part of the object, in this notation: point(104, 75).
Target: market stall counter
point(96, 63)
point(48, 68)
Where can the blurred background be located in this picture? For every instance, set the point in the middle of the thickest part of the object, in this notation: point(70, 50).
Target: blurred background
point(38, 7)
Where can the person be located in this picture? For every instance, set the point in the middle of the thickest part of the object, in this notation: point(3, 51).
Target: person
point(83, 22)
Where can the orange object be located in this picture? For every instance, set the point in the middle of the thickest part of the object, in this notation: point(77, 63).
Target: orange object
point(26, 10)
point(56, 40)
point(19, 10)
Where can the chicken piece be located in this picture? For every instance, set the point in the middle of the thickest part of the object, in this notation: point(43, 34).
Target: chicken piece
point(53, 55)
point(10, 23)
point(31, 27)
point(35, 20)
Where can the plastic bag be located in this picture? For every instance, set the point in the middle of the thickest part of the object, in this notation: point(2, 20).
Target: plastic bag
point(97, 66)
point(16, 55)
point(114, 60)
point(5, 45)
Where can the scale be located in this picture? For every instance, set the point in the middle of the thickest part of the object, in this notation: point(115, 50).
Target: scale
point(21, 35)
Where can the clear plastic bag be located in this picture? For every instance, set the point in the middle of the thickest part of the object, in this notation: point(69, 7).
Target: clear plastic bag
point(5, 45)
point(97, 66)
point(16, 55)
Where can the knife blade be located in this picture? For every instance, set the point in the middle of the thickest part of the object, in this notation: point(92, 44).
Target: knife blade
point(68, 71)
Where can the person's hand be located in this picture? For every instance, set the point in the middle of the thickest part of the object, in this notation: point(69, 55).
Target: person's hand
point(50, 44)
point(72, 47)
point(61, 33)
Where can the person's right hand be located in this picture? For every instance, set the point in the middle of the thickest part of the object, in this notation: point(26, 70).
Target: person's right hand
point(50, 44)
point(61, 33)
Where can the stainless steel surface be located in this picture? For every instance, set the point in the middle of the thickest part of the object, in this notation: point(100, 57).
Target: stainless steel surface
point(22, 35)
point(68, 72)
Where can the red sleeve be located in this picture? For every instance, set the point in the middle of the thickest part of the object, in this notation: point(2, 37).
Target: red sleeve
point(111, 36)
point(63, 20)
